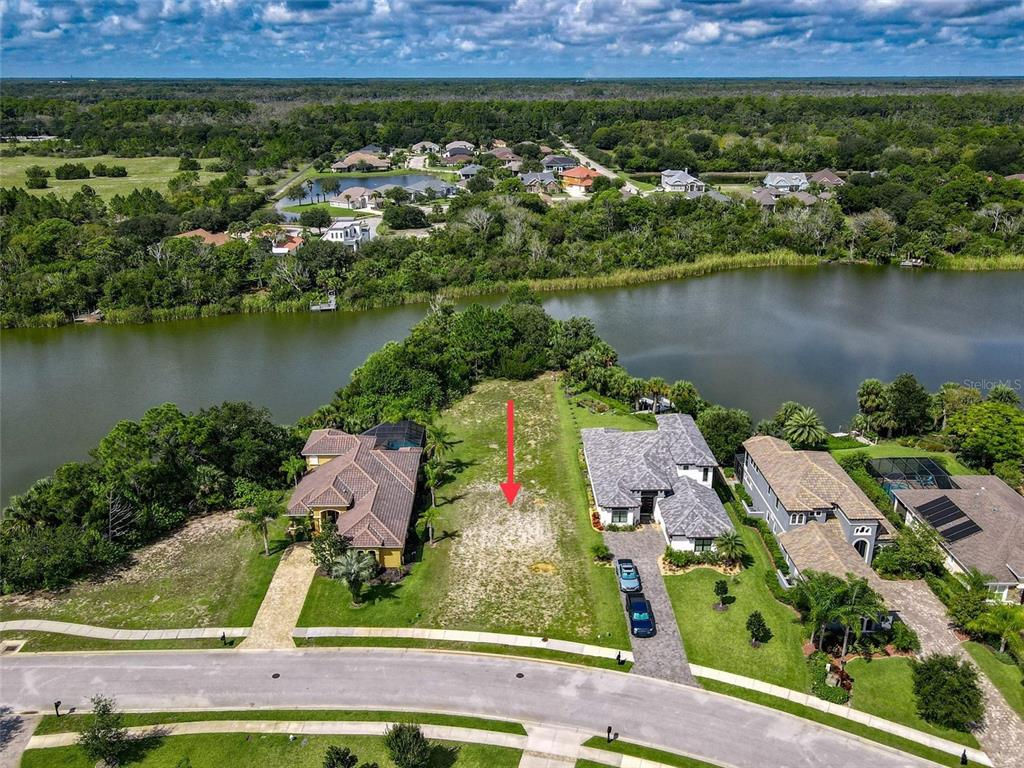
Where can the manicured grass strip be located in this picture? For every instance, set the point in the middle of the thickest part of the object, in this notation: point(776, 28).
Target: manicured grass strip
point(331, 209)
point(833, 721)
point(53, 724)
point(892, 449)
point(885, 688)
point(1007, 677)
point(646, 753)
point(50, 641)
point(452, 645)
point(245, 750)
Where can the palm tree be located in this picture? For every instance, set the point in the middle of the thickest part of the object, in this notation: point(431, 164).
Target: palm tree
point(657, 387)
point(730, 546)
point(634, 391)
point(293, 467)
point(435, 474)
point(1002, 620)
point(355, 569)
point(803, 429)
point(256, 520)
point(310, 185)
point(430, 517)
point(439, 441)
point(818, 595)
point(859, 602)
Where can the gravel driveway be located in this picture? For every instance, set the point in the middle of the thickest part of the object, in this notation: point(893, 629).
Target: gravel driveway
point(663, 655)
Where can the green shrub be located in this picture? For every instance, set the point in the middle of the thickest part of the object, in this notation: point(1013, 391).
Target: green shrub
point(817, 665)
point(71, 171)
point(616, 528)
point(769, 540)
point(758, 628)
point(601, 552)
point(407, 745)
point(948, 693)
point(903, 638)
point(741, 493)
point(684, 559)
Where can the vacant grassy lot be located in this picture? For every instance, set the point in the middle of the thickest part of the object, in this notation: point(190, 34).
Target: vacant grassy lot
point(204, 575)
point(885, 687)
point(524, 569)
point(721, 640)
point(583, 411)
point(152, 172)
point(240, 750)
point(892, 449)
point(1005, 676)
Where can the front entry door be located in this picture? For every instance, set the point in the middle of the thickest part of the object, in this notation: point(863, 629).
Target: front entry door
point(647, 507)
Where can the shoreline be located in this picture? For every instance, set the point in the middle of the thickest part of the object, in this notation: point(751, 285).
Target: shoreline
point(711, 264)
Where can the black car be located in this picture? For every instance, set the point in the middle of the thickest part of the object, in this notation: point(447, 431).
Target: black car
point(641, 617)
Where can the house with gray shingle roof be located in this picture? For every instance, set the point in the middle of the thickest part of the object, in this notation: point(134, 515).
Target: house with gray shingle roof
point(363, 485)
point(662, 476)
point(786, 182)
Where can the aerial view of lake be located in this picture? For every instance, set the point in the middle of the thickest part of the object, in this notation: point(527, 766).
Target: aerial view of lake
point(749, 338)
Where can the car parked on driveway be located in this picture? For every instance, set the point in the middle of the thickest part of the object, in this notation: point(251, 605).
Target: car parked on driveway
point(641, 617)
point(629, 576)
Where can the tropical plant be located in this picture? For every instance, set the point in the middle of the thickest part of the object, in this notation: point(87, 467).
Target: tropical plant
point(435, 474)
point(947, 692)
point(871, 396)
point(339, 757)
point(859, 603)
point(256, 519)
point(804, 429)
point(685, 398)
point(440, 441)
point(355, 569)
point(730, 546)
point(326, 546)
point(967, 604)
point(817, 595)
point(430, 517)
point(914, 553)
point(103, 738)
point(759, 631)
point(293, 467)
point(407, 745)
point(1002, 620)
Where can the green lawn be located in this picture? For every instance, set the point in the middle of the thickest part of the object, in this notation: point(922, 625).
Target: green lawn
point(441, 174)
point(544, 654)
point(645, 753)
point(541, 544)
point(51, 641)
point(240, 750)
point(583, 412)
point(892, 449)
point(153, 172)
point(52, 724)
point(884, 687)
point(833, 721)
point(331, 209)
point(203, 575)
point(1005, 676)
point(721, 640)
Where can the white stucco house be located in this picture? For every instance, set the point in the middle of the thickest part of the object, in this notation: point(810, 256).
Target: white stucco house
point(348, 231)
point(786, 182)
point(661, 476)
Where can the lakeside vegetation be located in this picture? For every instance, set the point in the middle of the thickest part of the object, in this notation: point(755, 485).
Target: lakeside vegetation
point(924, 180)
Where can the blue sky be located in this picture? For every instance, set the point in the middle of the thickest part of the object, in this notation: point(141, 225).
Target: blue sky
point(512, 38)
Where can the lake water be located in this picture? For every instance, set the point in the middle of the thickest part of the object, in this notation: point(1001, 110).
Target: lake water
point(750, 338)
point(370, 182)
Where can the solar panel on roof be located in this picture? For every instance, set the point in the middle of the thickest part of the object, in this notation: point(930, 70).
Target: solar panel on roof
point(960, 531)
point(937, 508)
point(947, 517)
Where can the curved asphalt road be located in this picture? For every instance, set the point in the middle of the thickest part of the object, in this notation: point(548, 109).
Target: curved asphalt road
point(725, 731)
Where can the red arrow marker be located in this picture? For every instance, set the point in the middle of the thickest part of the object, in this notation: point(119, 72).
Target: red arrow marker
point(510, 488)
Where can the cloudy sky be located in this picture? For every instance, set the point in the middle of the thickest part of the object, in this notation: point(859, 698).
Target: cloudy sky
point(474, 38)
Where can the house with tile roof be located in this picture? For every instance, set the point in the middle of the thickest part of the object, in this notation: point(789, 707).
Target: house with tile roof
point(826, 177)
point(577, 181)
point(207, 237)
point(359, 160)
point(426, 147)
point(661, 476)
point(821, 518)
point(363, 485)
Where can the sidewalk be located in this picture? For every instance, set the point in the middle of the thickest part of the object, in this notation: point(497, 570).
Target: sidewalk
point(976, 757)
point(463, 636)
point(281, 606)
point(108, 633)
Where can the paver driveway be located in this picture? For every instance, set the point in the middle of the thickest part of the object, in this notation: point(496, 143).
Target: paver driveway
point(663, 655)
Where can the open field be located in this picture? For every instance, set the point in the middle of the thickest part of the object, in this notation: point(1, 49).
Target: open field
point(53, 724)
point(721, 640)
point(892, 449)
point(540, 544)
point(153, 172)
point(885, 687)
point(240, 750)
point(833, 721)
point(1005, 676)
point(203, 575)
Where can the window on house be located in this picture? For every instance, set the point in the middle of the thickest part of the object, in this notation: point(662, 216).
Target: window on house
point(706, 471)
point(862, 530)
point(702, 545)
point(620, 517)
point(686, 466)
point(798, 518)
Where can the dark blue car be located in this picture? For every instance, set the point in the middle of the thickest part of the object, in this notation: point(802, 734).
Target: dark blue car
point(641, 617)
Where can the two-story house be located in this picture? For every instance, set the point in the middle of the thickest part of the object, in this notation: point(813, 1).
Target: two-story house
point(662, 476)
point(821, 518)
point(350, 232)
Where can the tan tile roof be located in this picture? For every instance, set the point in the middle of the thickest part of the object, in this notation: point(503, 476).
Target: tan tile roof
point(373, 487)
point(809, 480)
point(210, 238)
point(998, 548)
